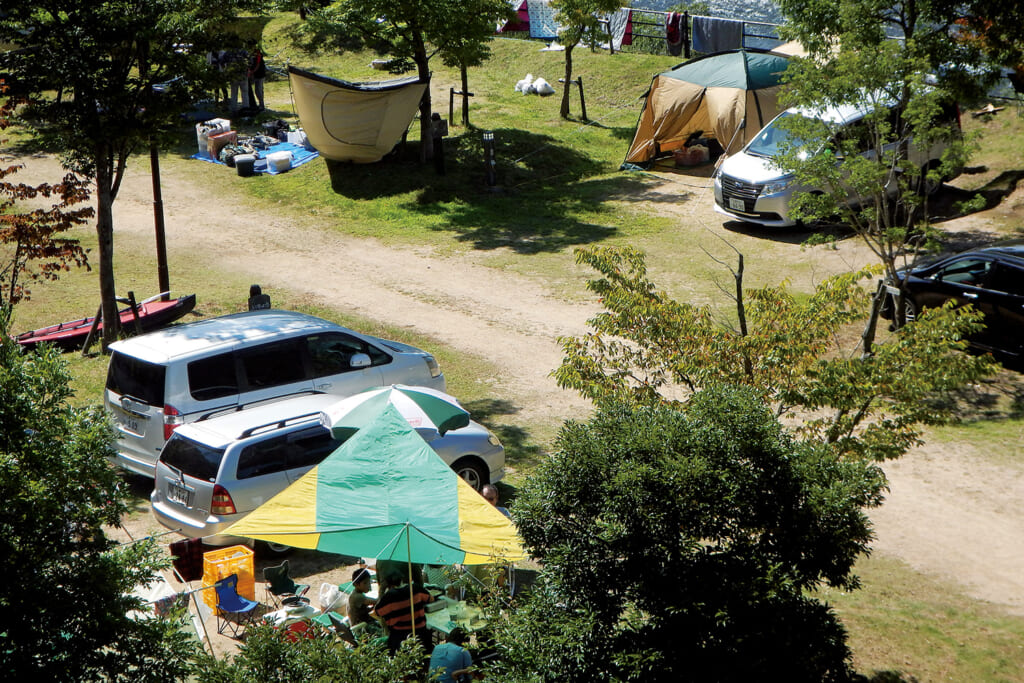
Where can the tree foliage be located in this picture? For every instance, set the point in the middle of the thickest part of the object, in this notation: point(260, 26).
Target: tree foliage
point(66, 590)
point(678, 543)
point(647, 348)
point(89, 73)
point(272, 656)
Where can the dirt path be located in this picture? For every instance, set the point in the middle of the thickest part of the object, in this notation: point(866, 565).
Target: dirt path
point(948, 514)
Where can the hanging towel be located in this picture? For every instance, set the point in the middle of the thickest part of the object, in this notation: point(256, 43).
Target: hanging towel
point(716, 35)
point(617, 25)
point(674, 34)
point(542, 19)
point(627, 38)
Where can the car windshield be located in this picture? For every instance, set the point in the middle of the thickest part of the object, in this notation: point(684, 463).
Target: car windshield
point(774, 139)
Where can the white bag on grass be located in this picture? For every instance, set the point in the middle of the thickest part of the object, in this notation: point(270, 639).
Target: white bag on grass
point(542, 87)
point(333, 599)
point(523, 85)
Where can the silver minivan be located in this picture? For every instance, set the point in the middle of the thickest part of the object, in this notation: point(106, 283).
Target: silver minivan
point(751, 187)
point(160, 380)
point(213, 472)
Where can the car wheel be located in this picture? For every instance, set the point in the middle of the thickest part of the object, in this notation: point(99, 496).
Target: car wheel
point(472, 471)
point(268, 549)
point(910, 310)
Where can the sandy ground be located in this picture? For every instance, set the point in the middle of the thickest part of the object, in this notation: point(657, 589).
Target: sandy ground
point(949, 512)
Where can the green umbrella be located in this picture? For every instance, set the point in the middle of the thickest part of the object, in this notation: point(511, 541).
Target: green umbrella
point(423, 408)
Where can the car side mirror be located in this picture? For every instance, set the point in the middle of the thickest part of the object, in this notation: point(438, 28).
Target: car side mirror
point(359, 360)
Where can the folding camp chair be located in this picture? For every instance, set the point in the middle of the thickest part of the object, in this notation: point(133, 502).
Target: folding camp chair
point(234, 612)
point(279, 584)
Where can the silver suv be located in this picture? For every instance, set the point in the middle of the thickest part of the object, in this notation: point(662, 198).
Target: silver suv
point(160, 380)
point(213, 472)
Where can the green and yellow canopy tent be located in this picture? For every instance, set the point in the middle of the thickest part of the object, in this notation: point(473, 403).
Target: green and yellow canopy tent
point(385, 493)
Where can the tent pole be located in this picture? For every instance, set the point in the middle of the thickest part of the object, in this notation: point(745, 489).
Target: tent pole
point(408, 558)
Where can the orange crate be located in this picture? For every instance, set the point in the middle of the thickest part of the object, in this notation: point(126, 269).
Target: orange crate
point(220, 564)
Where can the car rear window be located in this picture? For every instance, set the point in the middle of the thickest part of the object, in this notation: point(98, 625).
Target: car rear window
point(192, 458)
point(139, 379)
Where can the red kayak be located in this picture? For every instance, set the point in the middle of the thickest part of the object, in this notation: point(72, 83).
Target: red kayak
point(152, 313)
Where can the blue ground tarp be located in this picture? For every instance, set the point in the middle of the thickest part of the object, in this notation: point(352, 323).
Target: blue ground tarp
point(300, 155)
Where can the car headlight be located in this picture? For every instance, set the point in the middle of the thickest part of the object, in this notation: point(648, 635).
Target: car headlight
point(494, 441)
point(777, 186)
point(435, 369)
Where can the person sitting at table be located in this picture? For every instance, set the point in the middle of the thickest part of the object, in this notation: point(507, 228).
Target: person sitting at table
point(400, 608)
point(490, 494)
point(451, 662)
point(359, 603)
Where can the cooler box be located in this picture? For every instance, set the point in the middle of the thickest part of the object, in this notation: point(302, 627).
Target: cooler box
point(207, 128)
point(279, 161)
point(220, 564)
point(215, 143)
point(244, 164)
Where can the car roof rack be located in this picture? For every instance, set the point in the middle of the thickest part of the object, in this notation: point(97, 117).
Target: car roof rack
point(225, 410)
point(279, 424)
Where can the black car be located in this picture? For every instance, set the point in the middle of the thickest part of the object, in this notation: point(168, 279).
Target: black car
point(991, 278)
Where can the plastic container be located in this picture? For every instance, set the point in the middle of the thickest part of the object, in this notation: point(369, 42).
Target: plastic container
point(297, 137)
point(279, 161)
point(220, 564)
point(244, 164)
point(207, 128)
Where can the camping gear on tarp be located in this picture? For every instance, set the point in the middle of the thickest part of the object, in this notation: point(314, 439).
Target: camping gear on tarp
point(424, 408)
point(359, 122)
point(718, 94)
point(385, 493)
point(205, 129)
point(152, 314)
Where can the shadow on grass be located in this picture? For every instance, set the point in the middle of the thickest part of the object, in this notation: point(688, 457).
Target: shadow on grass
point(520, 453)
point(138, 489)
point(546, 196)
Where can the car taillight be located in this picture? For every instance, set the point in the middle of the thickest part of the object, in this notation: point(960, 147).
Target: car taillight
point(172, 420)
point(221, 503)
point(435, 369)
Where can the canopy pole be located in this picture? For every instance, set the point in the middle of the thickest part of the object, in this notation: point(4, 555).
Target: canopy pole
point(408, 557)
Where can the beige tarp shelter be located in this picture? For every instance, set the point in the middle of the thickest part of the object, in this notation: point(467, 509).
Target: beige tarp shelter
point(715, 94)
point(358, 122)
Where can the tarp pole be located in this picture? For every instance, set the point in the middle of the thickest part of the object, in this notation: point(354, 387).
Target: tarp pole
point(408, 557)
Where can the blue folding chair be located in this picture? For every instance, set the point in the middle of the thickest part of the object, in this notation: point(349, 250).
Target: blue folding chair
point(234, 612)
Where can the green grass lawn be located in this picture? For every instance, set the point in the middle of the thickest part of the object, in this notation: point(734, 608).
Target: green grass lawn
point(559, 187)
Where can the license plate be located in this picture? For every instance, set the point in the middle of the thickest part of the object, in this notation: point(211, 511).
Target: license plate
point(131, 423)
point(179, 494)
point(737, 204)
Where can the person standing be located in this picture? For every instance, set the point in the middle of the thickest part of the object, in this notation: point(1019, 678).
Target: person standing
point(402, 607)
point(258, 72)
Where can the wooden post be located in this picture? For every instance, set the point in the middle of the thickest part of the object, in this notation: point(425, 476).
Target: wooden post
point(158, 215)
point(583, 102)
point(92, 330)
point(135, 312)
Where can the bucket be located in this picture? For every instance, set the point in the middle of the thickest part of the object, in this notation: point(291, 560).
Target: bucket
point(244, 164)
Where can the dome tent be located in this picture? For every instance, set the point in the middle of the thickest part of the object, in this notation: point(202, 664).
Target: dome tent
point(715, 94)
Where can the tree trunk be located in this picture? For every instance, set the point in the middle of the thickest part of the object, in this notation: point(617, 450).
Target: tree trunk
point(567, 85)
point(871, 326)
point(465, 95)
point(105, 240)
point(423, 69)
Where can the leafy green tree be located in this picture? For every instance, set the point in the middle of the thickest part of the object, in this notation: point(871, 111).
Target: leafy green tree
point(464, 39)
point(271, 656)
point(65, 594)
point(908, 88)
point(579, 22)
point(32, 246)
point(678, 543)
point(647, 348)
point(88, 72)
